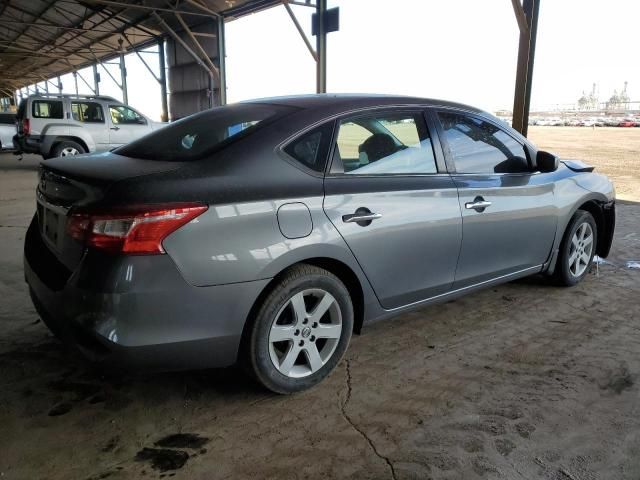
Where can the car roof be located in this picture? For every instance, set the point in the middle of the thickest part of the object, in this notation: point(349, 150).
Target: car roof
point(347, 101)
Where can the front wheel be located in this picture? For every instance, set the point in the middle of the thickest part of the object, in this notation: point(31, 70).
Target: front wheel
point(301, 330)
point(577, 249)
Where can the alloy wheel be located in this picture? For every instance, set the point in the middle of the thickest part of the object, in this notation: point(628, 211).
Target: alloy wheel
point(305, 333)
point(580, 249)
point(68, 151)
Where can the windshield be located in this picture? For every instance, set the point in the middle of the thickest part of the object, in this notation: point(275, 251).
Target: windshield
point(198, 135)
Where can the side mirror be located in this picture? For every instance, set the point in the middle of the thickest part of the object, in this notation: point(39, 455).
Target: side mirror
point(547, 162)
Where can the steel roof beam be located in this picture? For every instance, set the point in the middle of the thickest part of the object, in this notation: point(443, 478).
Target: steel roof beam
point(195, 41)
point(199, 5)
point(61, 27)
point(521, 17)
point(146, 7)
point(188, 49)
point(306, 40)
point(144, 62)
point(88, 45)
point(36, 17)
point(524, 72)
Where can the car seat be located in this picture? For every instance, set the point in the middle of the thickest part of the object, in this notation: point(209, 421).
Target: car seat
point(377, 146)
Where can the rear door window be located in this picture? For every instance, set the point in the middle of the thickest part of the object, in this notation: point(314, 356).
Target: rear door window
point(384, 144)
point(87, 112)
point(47, 109)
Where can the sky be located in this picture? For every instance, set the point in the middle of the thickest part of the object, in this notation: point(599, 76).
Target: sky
point(460, 50)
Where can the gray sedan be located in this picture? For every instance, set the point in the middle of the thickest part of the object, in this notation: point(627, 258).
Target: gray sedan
point(267, 232)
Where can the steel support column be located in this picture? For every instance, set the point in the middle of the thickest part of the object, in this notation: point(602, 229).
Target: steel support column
point(75, 81)
point(526, 55)
point(163, 81)
point(96, 79)
point(222, 68)
point(123, 80)
point(321, 47)
point(59, 85)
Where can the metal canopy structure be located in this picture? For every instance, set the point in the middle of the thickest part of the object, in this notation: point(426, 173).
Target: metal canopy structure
point(41, 40)
point(47, 38)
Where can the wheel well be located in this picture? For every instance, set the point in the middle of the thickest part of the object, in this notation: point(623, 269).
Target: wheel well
point(339, 269)
point(350, 280)
point(60, 139)
point(595, 209)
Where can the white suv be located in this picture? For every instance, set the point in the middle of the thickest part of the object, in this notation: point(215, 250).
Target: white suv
point(61, 125)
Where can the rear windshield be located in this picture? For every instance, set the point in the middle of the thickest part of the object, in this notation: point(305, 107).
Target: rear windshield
point(194, 137)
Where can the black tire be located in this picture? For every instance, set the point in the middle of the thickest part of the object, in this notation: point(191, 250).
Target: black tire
point(258, 360)
point(59, 148)
point(563, 273)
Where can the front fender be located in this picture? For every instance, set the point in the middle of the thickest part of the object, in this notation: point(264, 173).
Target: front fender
point(573, 192)
point(598, 184)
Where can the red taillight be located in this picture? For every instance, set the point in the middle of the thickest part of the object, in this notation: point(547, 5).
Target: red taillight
point(136, 230)
point(26, 126)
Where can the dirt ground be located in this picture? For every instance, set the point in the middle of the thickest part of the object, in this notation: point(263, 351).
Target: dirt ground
point(524, 380)
point(613, 151)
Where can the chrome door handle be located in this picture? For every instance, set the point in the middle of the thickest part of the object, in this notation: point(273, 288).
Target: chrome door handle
point(360, 217)
point(478, 204)
point(475, 205)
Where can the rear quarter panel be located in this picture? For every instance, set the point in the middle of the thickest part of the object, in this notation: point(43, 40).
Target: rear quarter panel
point(242, 242)
point(52, 132)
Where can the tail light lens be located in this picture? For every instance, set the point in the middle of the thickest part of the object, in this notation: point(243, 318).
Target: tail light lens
point(26, 126)
point(136, 230)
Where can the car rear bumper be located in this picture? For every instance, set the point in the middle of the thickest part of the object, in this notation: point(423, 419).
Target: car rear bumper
point(137, 311)
point(27, 144)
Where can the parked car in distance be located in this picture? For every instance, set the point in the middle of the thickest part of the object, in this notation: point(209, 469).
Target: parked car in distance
point(7, 130)
point(627, 122)
point(62, 125)
point(587, 122)
point(612, 122)
point(266, 232)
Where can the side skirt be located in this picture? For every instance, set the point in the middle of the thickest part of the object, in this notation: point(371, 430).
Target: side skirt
point(456, 293)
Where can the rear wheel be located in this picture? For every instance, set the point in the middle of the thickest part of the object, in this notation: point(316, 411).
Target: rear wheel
point(577, 249)
point(66, 148)
point(301, 331)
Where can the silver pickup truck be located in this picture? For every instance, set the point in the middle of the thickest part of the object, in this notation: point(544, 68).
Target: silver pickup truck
point(60, 125)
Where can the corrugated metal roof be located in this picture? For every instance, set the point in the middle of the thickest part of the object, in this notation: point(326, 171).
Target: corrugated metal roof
point(42, 39)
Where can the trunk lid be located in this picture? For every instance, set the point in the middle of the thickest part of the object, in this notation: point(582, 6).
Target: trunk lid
point(78, 181)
